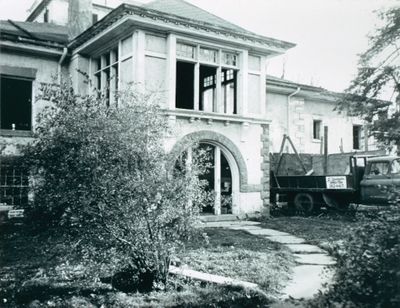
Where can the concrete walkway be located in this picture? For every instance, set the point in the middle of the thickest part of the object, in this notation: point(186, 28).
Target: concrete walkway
point(313, 267)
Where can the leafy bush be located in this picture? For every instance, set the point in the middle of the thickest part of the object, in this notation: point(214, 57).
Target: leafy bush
point(100, 175)
point(368, 268)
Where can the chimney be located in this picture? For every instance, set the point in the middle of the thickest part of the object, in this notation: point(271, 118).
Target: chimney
point(79, 16)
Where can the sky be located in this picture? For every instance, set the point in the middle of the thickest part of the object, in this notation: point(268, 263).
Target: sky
point(330, 34)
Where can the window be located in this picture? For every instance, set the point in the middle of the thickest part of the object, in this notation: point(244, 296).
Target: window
point(229, 90)
point(208, 86)
point(14, 184)
point(356, 137)
point(317, 124)
point(46, 15)
point(201, 74)
point(15, 103)
point(95, 18)
point(106, 75)
point(378, 168)
point(395, 167)
point(184, 85)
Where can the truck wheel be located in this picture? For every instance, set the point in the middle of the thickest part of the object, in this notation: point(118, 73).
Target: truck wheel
point(304, 202)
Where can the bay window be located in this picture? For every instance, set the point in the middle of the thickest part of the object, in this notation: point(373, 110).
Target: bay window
point(206, 79)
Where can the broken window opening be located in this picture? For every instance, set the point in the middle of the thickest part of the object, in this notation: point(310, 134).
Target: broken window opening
point(229, 90)
point(15, 103)
point(207, 86)
point(184, 85)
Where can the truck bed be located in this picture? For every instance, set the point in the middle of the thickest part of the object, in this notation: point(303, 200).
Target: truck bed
point(313, 183)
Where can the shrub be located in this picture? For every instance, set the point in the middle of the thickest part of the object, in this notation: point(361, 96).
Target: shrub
point(368, 268)
point(100, 176)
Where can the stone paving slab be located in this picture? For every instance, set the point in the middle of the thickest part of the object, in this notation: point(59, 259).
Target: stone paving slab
point(304, 248)
point(315, 258)
point(286, 239)
point(245, 227)
point(307, 281)
point(225, 224)
point(266, 232)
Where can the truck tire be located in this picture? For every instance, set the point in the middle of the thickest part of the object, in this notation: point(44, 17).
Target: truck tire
point(304, 202)
point(340, 203)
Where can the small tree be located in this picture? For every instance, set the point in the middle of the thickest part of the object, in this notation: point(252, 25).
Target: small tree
point(100, 175)
point(379, 72)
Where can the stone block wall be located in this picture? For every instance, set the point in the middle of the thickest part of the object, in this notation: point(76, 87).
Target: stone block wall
point(265, 167)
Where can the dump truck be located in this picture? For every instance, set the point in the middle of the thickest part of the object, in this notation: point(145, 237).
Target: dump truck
point(370, 180)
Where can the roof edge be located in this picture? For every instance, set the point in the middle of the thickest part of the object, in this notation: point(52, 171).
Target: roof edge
point(139, 10)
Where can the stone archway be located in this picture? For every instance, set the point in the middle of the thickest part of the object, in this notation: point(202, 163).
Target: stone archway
point(226, 149)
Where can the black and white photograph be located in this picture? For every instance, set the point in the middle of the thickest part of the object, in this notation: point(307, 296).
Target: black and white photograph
point(200, 153)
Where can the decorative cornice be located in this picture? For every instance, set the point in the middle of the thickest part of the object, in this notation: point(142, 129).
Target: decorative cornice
point(227, 119)
point(178, 21)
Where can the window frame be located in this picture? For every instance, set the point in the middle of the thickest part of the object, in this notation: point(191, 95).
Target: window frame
point(220, 105)
point(359, 128)
point(16, 131)
point(316, 137)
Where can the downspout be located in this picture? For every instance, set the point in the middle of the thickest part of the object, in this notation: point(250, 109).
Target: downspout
point(60, 62)
point(288, 109)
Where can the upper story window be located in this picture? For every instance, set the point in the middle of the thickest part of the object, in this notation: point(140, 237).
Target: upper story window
point(15, 103)
point(106, 74)
point(317, 125)
point(206, 79)
point(113, 70)
point(356, 137)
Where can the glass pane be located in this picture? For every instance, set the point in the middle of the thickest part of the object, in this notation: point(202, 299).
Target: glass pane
point(229, 58)
point(208, 55)
point(395, 166)
point(186, 51)
point(379, 168)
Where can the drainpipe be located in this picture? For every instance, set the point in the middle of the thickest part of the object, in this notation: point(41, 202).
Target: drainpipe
point(60, 62)
point(288, 109)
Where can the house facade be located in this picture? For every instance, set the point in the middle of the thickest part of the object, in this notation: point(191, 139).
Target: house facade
point(208, 73)
point(307, 115)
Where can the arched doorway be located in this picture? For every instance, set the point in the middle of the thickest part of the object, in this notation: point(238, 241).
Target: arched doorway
point(231, 154)
point(222, 178)
point(219, 179)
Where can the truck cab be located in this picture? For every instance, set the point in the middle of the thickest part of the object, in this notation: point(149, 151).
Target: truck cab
point(381, 179)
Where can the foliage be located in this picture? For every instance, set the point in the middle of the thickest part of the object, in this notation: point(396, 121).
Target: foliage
point(379, 72)
point(100, 176)
point(368, 271)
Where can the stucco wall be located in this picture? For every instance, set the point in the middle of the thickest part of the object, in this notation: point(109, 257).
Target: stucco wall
point(46, 68)
point(302, 112)
point(246, 138)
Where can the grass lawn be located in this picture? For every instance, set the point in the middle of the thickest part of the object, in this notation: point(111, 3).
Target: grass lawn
point(31, 275)
point(238, 254)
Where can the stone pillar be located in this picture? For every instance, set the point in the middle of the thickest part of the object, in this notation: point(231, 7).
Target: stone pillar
point(265, 167)
point(171, 70)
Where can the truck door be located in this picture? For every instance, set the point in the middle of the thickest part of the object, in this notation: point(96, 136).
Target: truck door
point(395, 174)
point(376, 182)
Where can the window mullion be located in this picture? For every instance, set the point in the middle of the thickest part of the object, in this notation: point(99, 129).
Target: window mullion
point(196, 86)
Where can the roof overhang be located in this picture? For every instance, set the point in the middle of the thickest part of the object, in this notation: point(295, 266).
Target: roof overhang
point(29, 48)
point(126, 16)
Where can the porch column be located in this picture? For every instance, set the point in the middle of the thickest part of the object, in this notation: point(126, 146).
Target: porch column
point(217, 180)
